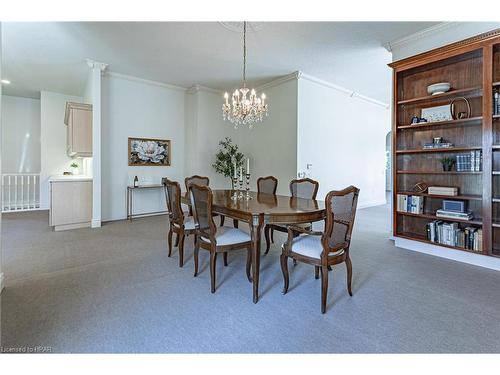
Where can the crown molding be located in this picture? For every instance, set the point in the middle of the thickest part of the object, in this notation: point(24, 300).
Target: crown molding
point(92, 64)
point(145, 81)
point(196, 88)
point(348, 92)
point(412, 38)
point(278, 81)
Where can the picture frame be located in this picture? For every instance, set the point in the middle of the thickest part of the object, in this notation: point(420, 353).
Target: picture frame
point(151, 152)
point(437, 113)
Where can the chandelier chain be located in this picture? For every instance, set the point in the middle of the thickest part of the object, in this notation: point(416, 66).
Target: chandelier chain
point(244, 53)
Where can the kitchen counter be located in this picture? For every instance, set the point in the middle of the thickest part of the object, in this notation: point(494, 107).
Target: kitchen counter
point(62, 178)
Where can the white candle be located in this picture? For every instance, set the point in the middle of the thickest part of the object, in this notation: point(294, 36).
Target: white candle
point(248, 165)
point(235, 173)
point(241, 173)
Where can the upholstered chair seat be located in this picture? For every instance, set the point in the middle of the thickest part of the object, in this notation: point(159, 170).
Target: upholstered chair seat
point(229, 236)
point(188, 223)
point(310, 246)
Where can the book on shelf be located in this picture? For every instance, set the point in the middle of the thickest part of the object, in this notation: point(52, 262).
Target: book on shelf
point(454, 214)
point(451, 234)
point(471, 161)
point(410, 203)
point(442, 190)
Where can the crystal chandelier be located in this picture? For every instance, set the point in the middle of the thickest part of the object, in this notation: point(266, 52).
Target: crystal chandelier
point(244, 109)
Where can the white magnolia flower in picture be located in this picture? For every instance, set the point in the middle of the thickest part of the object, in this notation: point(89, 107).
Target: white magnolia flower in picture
point(149, 152)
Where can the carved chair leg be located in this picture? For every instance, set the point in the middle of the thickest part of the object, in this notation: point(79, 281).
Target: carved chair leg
point(316, 272)
point(195, 255)
point(266, 233)
point(225, 259)
point(249, 264)
point(181, 249)
point(177, 239)
point(170, 242)
point(213, 263)
point(349, 274)
point(294, 262)
point(284, 269)
point(324, 287)
point(235, 223)
point(272, 235)
point(222, 218)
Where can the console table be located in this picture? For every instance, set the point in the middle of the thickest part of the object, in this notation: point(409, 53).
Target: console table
point(130, 196)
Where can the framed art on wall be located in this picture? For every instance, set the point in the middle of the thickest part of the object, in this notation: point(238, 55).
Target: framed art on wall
point(149, 152)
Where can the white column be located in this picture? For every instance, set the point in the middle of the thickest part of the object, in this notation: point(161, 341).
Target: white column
point(96, 70)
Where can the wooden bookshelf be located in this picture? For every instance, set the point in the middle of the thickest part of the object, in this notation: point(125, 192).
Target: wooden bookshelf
point(472, 67)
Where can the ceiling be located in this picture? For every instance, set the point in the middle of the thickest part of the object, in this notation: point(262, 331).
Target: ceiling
point(51, 56)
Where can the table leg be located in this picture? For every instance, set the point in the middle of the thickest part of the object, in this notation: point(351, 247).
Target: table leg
point(255, 229)
point(131, 208)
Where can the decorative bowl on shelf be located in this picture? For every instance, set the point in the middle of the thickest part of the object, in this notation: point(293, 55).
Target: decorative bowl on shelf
point(438, 88)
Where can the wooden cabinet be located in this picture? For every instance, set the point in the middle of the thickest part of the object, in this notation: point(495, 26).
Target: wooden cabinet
point(70, 203)
point(78, 119)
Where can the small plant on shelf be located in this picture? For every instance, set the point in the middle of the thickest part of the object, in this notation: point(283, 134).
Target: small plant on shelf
point(447, 163)
point(74, 168)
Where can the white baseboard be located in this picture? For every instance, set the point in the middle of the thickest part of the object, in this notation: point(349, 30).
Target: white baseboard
point(460, 256)
point(96, 223)
point(1, 282)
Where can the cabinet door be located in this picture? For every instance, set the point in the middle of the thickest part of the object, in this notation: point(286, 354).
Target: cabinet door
point(81, 132)
point(70, 202)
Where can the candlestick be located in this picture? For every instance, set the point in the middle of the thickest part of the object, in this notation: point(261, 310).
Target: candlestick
point(235, 188)
point(240, 194)
point(248, 165)
point(248, 186)
point(241, 173)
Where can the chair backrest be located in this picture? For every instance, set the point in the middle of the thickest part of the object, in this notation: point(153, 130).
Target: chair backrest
point(267, 185)
point(340, 213)
point(304, 188)
point(173, 197)
point(201, 202)
point(198, 180)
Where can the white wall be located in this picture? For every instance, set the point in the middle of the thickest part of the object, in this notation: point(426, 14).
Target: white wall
point(20, 135)
point(54, 160)
point(270, 145)
point(439, 36)
point(343, 138)
point(131, 108)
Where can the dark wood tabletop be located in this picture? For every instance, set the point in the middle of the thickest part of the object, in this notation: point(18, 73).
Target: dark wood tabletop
point(263, 209)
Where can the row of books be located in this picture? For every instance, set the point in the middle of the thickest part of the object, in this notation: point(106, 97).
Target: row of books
point(410, 203)
point(450, 234)
point(471, 161)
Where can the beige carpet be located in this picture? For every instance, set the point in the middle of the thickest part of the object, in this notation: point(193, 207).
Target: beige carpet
point(114, 290)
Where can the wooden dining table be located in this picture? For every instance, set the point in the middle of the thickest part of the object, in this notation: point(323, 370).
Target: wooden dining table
point(261, 209)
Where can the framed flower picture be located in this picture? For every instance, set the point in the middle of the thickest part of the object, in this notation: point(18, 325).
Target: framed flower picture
point(149, 152)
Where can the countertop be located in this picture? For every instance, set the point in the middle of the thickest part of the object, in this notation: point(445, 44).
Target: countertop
point(62, 178)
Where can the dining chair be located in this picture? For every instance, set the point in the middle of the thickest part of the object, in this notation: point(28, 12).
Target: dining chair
point(327, 248)
point(299, 188)
point(267, 185)
point(209, 237)
point(202, 181)
point(179, 224)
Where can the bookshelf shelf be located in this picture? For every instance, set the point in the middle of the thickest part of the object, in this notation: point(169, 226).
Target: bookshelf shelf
point(438, 172)
point(449, 149)
point(417, 237)
point(472, 68)
point(434, 217)
point(469, 90)
point(464, 121)
point(439, 196)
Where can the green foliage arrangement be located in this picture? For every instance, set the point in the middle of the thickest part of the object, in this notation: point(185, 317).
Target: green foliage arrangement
point(226, 158)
